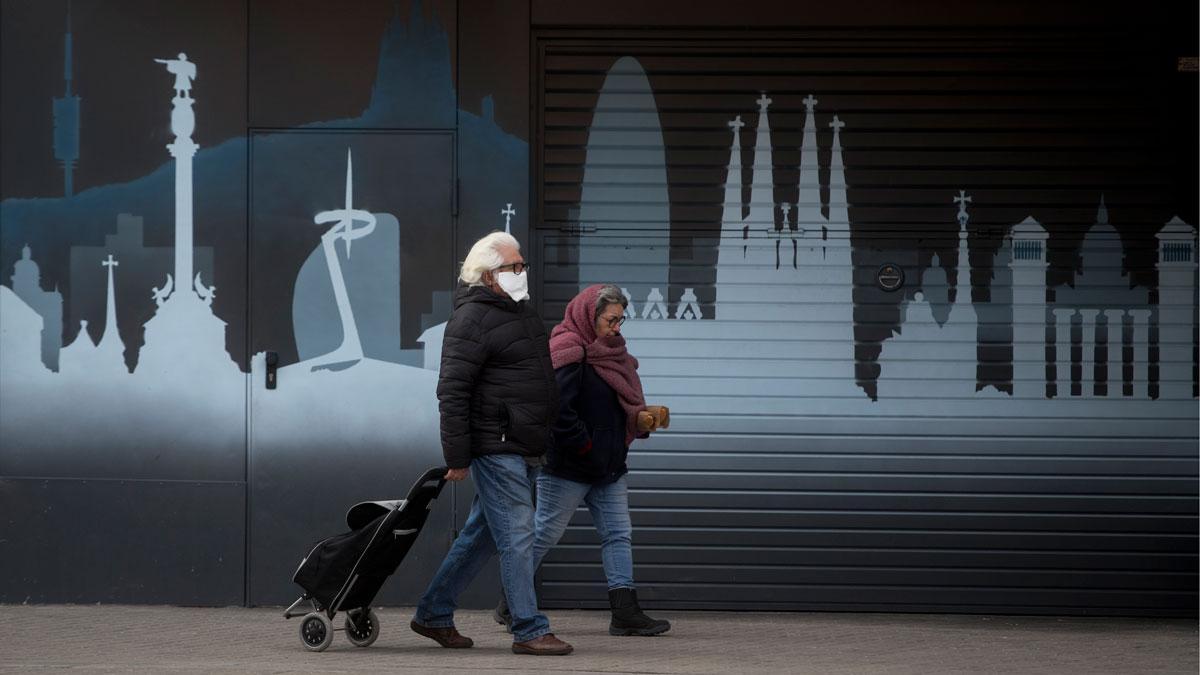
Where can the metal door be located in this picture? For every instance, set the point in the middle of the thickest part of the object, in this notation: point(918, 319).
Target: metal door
point(350, 257)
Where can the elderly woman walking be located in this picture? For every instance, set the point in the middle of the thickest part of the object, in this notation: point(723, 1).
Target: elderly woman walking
point(601, 411)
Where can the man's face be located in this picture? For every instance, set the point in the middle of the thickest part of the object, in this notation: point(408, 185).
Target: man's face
point(508, 256)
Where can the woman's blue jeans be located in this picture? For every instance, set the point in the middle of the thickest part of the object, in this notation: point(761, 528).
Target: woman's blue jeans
point(557, 499)
point(501, 520)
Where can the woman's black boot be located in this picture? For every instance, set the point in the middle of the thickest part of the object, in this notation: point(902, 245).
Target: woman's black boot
point(628, 618)
point(502, 615)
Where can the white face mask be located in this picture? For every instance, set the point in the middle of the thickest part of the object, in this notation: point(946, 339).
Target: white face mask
point(516, 285)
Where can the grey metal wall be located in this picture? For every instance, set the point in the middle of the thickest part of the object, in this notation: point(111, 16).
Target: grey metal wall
point(836, 446)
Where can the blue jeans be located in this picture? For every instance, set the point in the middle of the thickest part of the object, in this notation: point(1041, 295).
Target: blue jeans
point(501, 520)
point(557, 499)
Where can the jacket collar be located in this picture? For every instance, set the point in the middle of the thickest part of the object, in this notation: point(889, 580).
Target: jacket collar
point(486, 296)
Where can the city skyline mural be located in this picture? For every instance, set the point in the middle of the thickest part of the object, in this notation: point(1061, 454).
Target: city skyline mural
point(865, 272)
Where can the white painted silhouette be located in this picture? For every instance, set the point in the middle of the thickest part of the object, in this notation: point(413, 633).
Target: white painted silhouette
point(142, 266)
point(1029, 308)
point(962, 200)
point(350, 350)
point(206, 293)
point(688, 308)
point(655, 307)
point(21, 341)
point(808, 205)
point(733, 207)
point(110, 350)
point(184, 336)
point(184, 72)
point(79, 355)
point(1176, 308)
point(624, 200)
point(508, 212)
point(781, 336)
point(752, 277)
point(183, 149)
point(630, 310)
point(160, 294)
point(431, 342)
point(839, 206)
point(21, 334)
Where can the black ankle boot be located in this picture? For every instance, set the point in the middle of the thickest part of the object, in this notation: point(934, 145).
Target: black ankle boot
point(628, 618)
point(501, 614)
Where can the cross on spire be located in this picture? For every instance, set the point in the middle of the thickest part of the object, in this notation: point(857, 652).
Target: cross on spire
point(763, 102)
point(963, 217)
point(508, 212)
point(837, 124)
point(810, 103)
point(736, 124)
point(110, 262)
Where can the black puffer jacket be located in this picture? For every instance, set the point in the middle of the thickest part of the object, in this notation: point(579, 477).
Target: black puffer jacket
point(496, 391)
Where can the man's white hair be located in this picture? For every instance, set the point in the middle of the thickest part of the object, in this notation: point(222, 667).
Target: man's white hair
point(485, 256)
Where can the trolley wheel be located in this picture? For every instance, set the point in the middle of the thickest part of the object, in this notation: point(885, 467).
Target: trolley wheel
point(316, 632)
point(362, 631)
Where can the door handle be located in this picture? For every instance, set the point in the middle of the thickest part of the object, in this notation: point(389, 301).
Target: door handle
point(272, 367)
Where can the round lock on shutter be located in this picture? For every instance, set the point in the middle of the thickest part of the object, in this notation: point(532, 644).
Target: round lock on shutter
point(890, 277)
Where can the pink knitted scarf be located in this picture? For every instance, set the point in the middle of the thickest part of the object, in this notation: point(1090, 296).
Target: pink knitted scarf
point(576, 335)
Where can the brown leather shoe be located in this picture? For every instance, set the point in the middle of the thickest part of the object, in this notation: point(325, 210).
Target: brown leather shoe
point(448, 637)
point(545, 645)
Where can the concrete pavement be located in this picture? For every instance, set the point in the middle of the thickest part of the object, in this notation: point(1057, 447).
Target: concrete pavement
point(155, 639)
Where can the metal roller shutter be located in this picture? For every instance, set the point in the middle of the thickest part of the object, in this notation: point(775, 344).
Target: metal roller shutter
point(952, 445)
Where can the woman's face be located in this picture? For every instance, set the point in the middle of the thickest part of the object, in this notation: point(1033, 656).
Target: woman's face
point(608, 321)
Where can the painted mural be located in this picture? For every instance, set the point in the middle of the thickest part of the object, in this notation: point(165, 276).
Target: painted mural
point(184, 380)
point(148, 355)
point(147, 282)
point(912, 325)
point(141, 320)
point(779, 336)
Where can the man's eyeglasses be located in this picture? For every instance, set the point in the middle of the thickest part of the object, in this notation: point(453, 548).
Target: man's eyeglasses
point(614, 322)
point(517, 267)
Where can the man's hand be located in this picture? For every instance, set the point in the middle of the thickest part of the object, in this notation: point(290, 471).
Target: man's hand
point(456, 474)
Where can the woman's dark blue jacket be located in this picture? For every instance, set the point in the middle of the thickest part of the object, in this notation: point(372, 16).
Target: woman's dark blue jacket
point(589, 433)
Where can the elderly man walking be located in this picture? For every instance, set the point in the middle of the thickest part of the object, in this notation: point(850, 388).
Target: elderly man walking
point(498, 399)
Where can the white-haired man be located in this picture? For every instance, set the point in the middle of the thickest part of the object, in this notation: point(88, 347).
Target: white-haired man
point(498, 398)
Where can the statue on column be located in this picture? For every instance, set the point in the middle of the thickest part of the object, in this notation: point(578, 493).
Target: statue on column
point(183, 120)
point(184, 72)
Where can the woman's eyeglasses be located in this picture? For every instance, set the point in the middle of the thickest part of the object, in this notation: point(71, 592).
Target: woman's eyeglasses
point(614, 322)
point(517, 267)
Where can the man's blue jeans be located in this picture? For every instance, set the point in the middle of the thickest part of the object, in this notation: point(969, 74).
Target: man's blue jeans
point(557, 499)
point(501, 519)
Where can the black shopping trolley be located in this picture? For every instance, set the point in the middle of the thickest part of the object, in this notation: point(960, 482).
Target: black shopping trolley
point(345, 572)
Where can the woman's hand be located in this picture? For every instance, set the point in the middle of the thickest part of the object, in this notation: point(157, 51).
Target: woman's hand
point(661, 414)
point(456, 474)
point(646, 422)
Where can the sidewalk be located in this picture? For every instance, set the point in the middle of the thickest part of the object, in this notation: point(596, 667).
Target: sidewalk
point(139, 639)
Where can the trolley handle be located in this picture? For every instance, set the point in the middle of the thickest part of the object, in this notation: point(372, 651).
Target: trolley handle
point(434, 477)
